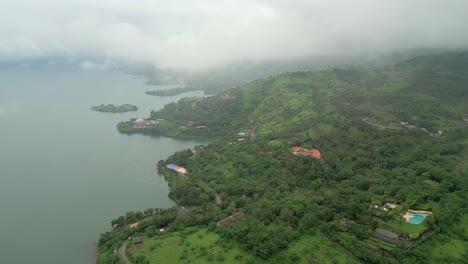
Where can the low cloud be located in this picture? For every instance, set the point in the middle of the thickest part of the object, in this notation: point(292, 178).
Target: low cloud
point(197, 34)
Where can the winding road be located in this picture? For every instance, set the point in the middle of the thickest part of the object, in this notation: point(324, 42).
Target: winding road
point(122, 255)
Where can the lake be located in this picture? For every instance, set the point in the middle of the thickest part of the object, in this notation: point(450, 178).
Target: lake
point(65, 171)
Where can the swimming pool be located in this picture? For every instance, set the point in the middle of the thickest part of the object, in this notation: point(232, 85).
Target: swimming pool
point(416, 218)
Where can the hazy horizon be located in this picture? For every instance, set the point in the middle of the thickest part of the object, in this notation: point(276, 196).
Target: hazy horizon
point(201, 34)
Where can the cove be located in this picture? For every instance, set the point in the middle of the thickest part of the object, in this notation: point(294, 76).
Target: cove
point(65, 171)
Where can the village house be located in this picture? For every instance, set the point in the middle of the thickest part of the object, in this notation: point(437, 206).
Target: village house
point(380, 208)
point(137, 240)
point(230, 219)
point(314, 153)
point(134, 225)
point(393, 206)
point(142, 123)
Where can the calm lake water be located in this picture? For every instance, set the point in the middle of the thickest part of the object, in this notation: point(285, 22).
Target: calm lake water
point(65, 171)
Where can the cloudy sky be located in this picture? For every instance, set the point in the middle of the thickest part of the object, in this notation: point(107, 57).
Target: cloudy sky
point(201, 33)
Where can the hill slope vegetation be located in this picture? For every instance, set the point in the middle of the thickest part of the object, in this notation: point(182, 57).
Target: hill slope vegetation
point(392, 138)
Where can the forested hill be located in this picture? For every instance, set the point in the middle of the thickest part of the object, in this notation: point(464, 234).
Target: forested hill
point(429, 92)
point(391, 138)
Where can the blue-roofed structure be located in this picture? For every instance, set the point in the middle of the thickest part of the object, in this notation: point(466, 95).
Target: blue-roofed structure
point(179, 170)
point(171, 166)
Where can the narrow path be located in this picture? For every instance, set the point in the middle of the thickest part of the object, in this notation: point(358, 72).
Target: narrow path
point(122, 255)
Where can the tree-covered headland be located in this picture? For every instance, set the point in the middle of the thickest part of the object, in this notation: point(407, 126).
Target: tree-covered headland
point(114, 108)
point(392, 138)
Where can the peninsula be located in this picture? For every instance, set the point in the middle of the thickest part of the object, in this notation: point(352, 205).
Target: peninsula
point(333, 166)
point(174, 91)
point(115, 108)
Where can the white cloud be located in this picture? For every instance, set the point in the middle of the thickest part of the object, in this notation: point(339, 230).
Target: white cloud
point(200, 33)
point(106, 65)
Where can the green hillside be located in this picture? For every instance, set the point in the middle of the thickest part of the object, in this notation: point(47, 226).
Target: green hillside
point(392, 138)
point(428, 92)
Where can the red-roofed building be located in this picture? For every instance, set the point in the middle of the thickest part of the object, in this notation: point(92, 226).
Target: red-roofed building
point(297, 150)
point(314, 153)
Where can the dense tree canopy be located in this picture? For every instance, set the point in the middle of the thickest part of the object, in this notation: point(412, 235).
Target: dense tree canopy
point(396, 156)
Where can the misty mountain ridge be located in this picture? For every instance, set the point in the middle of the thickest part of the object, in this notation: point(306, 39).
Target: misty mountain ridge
point(428, 91)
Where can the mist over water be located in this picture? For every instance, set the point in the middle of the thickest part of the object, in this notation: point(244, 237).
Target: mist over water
point(65, 171)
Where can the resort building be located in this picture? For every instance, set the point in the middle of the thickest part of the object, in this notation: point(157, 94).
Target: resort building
point(180, 170)
point(314, 153)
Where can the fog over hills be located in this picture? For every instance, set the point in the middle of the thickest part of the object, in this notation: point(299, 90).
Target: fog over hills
point(202, 34)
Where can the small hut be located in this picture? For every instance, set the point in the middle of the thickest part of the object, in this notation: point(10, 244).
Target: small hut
point(137, 240)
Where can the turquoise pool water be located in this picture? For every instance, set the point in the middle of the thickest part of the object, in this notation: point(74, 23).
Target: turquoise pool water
point(416, 218)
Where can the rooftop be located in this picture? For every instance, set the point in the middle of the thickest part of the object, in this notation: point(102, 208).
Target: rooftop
point(231, 218)
point(386, 233)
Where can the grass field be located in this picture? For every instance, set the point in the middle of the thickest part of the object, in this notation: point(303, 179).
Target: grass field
point(318, 249)
point(452, 247)
point(203, 246)
point(404, 227)
point(199, 247)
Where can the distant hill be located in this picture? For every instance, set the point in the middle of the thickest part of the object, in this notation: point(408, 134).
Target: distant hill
point(429, 92)
point(115, 108)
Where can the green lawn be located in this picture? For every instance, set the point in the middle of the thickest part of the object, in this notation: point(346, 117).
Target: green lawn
point(203, 246)
point(404, 227)
point(454, 248)
point(451, 247)
point(318, 249)
point(199, 247)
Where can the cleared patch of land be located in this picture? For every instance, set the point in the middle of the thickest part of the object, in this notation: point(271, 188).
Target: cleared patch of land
point(200, 246)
